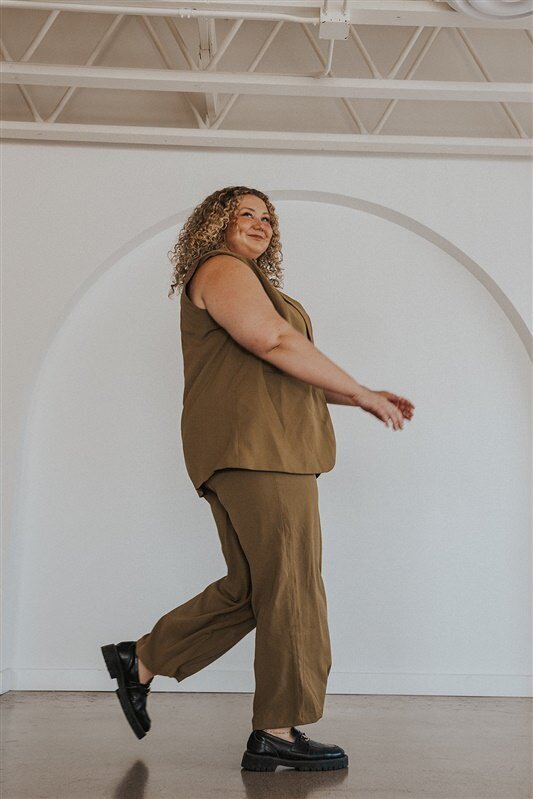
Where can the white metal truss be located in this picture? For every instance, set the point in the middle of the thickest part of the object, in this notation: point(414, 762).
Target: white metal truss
point(202, 79)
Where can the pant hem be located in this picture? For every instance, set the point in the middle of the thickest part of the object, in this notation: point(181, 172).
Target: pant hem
point(140, 655)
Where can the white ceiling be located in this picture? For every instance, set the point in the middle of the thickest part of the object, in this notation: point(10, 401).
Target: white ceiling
point(411, 75)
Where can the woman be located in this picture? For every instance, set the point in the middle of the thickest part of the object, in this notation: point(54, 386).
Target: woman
point(256, 434)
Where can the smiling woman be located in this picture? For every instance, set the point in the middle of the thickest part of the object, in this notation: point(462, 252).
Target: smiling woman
point(251, 222)
point(256, 434)
point(237, 217)
point(249, 233)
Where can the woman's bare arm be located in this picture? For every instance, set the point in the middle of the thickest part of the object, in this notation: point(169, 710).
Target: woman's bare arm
point(332, 398)
point(298, 356)
point(235, 298)
point(295, 354)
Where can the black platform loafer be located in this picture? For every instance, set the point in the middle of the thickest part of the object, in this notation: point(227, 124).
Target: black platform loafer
point(265, 751)
point(123, 665)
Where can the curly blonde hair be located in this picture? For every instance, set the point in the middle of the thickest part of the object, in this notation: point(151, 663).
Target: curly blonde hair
point(205, 228)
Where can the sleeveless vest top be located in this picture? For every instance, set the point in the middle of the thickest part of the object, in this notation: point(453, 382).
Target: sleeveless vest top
point(239, 411)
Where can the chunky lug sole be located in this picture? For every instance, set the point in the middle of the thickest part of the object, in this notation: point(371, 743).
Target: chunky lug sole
point(116, 671)
point(252, 762)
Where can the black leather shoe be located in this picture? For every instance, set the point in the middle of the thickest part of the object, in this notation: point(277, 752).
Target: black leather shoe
point(123, 665)
point(265, 751)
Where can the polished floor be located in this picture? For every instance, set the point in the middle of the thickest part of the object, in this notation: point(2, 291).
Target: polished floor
point(73, 745)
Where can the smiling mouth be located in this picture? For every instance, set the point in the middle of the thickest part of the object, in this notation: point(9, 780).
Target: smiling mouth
point(255, 236)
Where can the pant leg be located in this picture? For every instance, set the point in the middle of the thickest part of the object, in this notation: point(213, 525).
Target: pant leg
point(269, 527)
point(276, 518)
point(199, 631)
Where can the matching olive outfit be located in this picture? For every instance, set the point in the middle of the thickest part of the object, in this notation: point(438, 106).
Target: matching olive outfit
point(255, 440)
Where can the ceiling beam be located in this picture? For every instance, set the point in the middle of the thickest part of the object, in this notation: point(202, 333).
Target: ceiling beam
point(261, 84)
point(412, 13)
point(267, 139)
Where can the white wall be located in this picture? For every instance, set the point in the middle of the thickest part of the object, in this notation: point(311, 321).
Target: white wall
point(416, 273)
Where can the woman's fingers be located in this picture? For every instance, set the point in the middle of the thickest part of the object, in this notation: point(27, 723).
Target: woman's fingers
point(396, 425)
point(405, 405)
point(389, 408)
point(393, 417)
point(404, 411)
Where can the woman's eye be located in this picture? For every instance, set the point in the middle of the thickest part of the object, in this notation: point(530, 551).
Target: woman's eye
point(248, 213)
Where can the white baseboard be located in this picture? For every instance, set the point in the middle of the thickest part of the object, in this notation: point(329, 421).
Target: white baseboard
point(239, 681)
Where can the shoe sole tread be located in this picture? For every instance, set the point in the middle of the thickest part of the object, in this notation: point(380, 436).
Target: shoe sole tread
point(253, 762)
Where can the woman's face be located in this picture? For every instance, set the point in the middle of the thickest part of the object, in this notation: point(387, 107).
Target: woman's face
point(250, 233)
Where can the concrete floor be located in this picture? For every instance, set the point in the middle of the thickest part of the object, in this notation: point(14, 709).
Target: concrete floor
point(73, 745)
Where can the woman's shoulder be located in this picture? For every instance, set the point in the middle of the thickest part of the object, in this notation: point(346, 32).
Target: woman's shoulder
point(205, 256)
point(194, 280)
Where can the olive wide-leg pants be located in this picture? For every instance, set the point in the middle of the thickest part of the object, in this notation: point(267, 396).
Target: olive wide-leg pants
point(269, 529)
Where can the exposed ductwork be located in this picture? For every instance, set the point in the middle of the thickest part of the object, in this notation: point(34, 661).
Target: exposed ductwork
point(498, 9)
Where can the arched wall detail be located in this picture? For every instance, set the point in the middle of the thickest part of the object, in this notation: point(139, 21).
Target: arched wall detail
point(329, 198)
point(425, 232)
point(175, 220)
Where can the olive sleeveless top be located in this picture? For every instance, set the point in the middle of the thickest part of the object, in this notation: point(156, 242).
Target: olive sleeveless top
point(239, 411)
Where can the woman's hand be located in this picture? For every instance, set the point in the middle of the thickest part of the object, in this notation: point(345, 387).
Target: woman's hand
point(386, 406)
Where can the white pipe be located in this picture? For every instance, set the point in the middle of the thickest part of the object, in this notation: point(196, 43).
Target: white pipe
point(140, 10)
